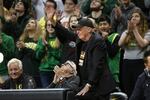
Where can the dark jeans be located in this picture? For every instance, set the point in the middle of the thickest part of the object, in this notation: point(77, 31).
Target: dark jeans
point(46, 78)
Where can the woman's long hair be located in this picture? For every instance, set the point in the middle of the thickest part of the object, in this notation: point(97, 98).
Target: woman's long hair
point(37, 32)
point(143, 26)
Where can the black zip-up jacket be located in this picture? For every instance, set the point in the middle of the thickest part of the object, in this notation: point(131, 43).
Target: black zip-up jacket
point(23, 82)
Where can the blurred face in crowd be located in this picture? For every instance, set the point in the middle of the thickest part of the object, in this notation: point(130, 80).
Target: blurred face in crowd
point(19, 7)
point(84, 33)
point(13, 14)
point(95, 5)
point(104, 26)
point(73, 22)
point(14, 71)
point(31, 25)
point(147, 64)
point(69, 6)
point(49, 6)
point(49, 27)
point(135, 18)
point(126, 2)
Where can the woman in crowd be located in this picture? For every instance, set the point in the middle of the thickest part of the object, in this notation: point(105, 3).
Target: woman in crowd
point(49, 52)
point(133, 40)
point(26, 49)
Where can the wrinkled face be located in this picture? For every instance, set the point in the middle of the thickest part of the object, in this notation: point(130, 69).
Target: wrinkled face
point(69, 6)
point(95, 4)
point(136, 18)
point(83, 32)
point(148, 63)
point(19, 7)
point(31, 25)
point(73, 21)
point(66, 68)
point(49, 27)
point(14, 71)
point(104, 26)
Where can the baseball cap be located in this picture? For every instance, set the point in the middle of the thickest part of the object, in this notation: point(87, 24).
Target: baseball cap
point(85, 22)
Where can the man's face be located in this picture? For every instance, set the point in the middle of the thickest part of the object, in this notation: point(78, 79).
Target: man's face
point(104, 26)
point(147, 65)
point(19, 7)
point(83, 32)
point(14, 71)
point(95, 4)
point(49, 6)
point(69, 6)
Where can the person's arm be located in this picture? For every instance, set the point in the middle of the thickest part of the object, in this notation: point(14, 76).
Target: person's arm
point(142, 42)
point(113, 48)
point(73, 84)
point(123, 38)
point(40, 49)
point(7, 46)
point(64, 34)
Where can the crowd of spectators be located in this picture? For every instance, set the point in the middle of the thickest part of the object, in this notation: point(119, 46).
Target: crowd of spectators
point(93, 47)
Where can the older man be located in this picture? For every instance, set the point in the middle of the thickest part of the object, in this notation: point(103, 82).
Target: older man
point(95, 80)
point(17, 80)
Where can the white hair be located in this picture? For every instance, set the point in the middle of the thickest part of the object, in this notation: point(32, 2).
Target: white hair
point(15, 60)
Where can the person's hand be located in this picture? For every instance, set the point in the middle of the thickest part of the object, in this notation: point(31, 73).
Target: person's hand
point(56, 79)
point(20, 44)
point(84, 90)
point(56, 68)
point(118, 12)
point(51, 15)
point(104, 34)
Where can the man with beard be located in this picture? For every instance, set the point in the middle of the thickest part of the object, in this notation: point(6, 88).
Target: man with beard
point(96, 7)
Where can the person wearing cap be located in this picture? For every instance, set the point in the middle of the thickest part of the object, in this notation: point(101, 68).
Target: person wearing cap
point(66, 76)
point(17, 79)
point(95, 80)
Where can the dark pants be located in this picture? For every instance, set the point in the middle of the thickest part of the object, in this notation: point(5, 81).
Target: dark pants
point(46, 78)
point(131, 69)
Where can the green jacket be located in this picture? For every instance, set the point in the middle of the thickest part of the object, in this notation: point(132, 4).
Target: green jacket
point(48, 55)
point(7, 48)
point(114, 62)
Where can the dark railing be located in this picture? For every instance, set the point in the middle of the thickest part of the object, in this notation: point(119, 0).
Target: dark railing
point(36, 94)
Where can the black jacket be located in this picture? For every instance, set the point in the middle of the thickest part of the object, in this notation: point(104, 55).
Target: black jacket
point(23, 82)
point(142, 87)
point(68, 39)
point(94, 70)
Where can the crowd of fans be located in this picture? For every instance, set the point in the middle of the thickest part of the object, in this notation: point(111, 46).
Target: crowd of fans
point(93, 47)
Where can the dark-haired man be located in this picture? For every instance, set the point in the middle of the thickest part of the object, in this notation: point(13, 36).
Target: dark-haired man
point(142, 87)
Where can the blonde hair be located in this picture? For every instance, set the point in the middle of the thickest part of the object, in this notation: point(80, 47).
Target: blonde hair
point(37, 32)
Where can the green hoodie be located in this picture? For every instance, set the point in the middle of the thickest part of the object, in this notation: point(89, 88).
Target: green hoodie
point(7, 48)
point(49, 56)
